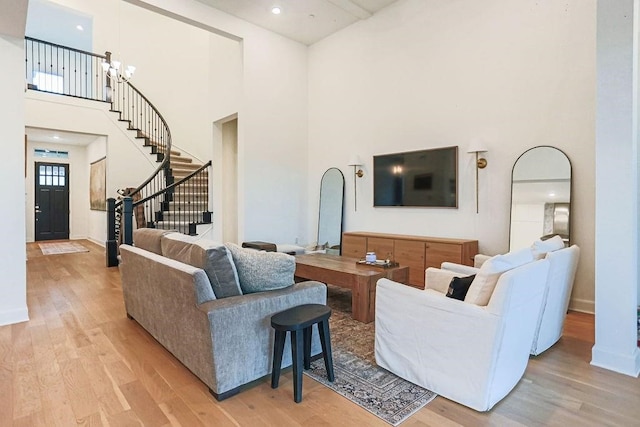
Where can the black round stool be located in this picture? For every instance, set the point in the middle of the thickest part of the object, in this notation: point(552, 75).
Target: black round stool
point(299, 321)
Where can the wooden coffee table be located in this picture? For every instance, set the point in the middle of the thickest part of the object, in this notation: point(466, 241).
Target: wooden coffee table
point(346, 273)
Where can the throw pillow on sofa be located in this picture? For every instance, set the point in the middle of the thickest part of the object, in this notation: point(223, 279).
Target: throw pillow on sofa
point(262, 271)
point(541, 247)
point(459, 286)
point(212, 257)
point(149, 239)
point(482, 286)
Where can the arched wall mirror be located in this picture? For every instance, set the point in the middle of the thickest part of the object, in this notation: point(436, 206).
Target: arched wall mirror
point(331, 207)
point(540, 196)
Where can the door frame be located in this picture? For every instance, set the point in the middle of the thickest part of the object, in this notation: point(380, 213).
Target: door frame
point(67, 186)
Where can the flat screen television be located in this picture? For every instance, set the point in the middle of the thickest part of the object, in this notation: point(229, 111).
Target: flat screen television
point(425, 178)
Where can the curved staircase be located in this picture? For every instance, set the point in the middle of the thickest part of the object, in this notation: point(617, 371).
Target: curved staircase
point(176, 195)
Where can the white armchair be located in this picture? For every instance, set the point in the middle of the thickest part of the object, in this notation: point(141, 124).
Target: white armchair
point(562, 271)
point(468, 353)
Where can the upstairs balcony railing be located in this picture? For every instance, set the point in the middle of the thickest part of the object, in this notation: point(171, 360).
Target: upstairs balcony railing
point(53, 68)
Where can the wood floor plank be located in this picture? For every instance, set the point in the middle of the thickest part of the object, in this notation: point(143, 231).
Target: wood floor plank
point(143, 404)
point(78, 385)
point(87, 364)
point(208, 411)
point(179, 414)
point(25, 389)
point(6, 376)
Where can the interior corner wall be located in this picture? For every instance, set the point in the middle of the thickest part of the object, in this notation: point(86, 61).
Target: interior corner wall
point(13, 304)
point(424, 74)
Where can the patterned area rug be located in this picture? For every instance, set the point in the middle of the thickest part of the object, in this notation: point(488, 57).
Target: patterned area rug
point(358, 378)
point(55, 248)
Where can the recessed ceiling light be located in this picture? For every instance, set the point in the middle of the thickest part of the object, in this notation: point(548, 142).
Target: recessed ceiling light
point(552, 194)
point(276, 10)
point(56, 137)
point(79, 27)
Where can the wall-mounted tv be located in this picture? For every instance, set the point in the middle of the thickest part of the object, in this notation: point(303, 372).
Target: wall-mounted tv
point(425, 178)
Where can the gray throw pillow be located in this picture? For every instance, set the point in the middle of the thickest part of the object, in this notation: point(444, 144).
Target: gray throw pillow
point(212, 257)
point(262, 271)
point(149, 239)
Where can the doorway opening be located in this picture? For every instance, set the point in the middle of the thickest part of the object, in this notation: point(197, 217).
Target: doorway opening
point(51, 201)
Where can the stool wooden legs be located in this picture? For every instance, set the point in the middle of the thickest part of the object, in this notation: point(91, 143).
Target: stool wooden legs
point(278, 349)
point(297, 353)
point(301, 355)
point(325, 340)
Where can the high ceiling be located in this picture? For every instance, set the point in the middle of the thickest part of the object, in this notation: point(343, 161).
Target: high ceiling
point(306, 21)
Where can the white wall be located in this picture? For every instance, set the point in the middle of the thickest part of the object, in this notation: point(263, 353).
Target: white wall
point(437, 73)
point(13, 304)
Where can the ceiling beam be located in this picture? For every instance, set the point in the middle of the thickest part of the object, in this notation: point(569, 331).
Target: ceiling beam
point(352, 8)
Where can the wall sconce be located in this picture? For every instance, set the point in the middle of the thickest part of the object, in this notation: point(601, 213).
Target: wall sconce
point(477, 146)
point(357, 173)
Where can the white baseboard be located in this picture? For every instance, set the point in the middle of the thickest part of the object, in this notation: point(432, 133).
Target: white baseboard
point(628, 364)
point(10, 317)
point(582, 305)
point(99, 243)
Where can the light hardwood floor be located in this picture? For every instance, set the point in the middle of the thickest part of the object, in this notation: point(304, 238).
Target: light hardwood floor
point(80, 361)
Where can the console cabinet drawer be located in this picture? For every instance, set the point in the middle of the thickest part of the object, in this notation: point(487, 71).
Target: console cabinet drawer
point(411, 254)
point(437, 253)
point(354, 246)
point(382, 247)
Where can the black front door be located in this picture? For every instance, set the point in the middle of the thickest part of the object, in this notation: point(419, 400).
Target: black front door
point(52, 201)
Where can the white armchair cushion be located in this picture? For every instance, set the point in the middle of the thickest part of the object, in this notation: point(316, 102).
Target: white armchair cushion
point(541, 247)
point(482, 287)
point(438, 280)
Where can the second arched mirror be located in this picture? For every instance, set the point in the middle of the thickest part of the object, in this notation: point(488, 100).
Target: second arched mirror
point(540, 196)
point(331, 207)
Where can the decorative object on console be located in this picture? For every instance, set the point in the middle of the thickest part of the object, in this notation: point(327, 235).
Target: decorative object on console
point(357, 173)
point(476, 147)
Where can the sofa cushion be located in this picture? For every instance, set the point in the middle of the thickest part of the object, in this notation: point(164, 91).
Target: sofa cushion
point(212, 257)
point(262, 271)
point(541, 247)
point(459, 286)
point(482, 286)
point(149, 239)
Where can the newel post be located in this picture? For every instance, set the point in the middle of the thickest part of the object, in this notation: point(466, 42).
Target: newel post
point(111, 244)
point(128, 221)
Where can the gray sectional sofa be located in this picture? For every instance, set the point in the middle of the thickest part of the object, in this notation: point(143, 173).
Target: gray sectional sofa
point(227, 342)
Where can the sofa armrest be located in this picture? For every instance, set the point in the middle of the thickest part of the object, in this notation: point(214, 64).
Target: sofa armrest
point(479, 259)
point(459, 268)
point(241, 325)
